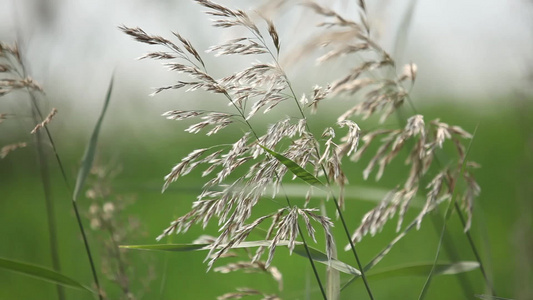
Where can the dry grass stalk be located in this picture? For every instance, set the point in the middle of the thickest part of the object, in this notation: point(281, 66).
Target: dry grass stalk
point(10, 65)
point(46, 121)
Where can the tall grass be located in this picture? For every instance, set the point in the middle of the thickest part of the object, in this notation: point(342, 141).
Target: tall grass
point(289, 148)
point(257, 165)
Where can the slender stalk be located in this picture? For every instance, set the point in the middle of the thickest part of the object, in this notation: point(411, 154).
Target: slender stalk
point(474, 250)
point(165, 272)
point(430, 276)
point(352, 246)
point(87, 249)
point(463, 222)
point(307, 252)
point(447, 216)
point(469, 237)
point(50, 210)
point(312, 264)
point(45, 179)
point(37, 112)
point(451, 249)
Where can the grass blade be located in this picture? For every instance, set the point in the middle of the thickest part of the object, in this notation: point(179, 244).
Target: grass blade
point(168, 247)
point(299, 249)
point(489, 297)
point(422, 269)
point(88, 156)
point(322, 258)
point(403, 30)
point(383, 252)
point(87, 161)
point(41, 273)
point(198, 247)
point(296, 169)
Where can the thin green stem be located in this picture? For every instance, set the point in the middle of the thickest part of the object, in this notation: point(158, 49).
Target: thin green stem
point(352, 246)
point(445, 221)
point(431, 272)
point(165, 271)
point(45, 179)
point(88, 250)
point(474, 250)
point(312, 263)
point(50, 209)
point(37, 111)
point(457, 208)
point(451, 250)
point(469, 236)
point(308, 252)
point(383, 252)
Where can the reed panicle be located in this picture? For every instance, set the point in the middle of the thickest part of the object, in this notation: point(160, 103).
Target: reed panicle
point(261, 87)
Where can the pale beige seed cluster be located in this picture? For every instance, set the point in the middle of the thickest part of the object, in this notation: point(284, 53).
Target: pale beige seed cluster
point(376, 89)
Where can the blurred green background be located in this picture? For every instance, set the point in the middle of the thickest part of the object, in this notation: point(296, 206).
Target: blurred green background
point(501, 227)
point(471, 74)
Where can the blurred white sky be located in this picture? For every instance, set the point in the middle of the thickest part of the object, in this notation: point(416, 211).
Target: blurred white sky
point(473, 48)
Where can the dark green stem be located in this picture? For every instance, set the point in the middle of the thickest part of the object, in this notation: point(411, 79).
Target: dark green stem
point(352, 246)
point(88, 250)
point(37, 112)
point(312, 263)
point(315, 271)
point(474, 250)
point(50, 211)
point(439, 246)
point(45, 179)
point(451, 250)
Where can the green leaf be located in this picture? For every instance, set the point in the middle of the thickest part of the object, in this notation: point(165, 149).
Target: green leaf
point(168, 247)
point(197, 247)
point(322, 258)
point(296, 169)
point(41, 273)
point(489, 297)
point(299, 249)
point(422, 269)
point(333, 283)
point(419, 269)
point(88, 156)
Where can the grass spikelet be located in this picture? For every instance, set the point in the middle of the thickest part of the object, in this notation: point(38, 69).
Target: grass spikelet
point(45, 121)
point(10, 148)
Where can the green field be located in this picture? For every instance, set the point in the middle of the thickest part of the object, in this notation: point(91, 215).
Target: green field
point(501, 227)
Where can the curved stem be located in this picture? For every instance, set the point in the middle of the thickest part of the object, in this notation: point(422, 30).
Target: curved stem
point(474, 250)
point(88, 250)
